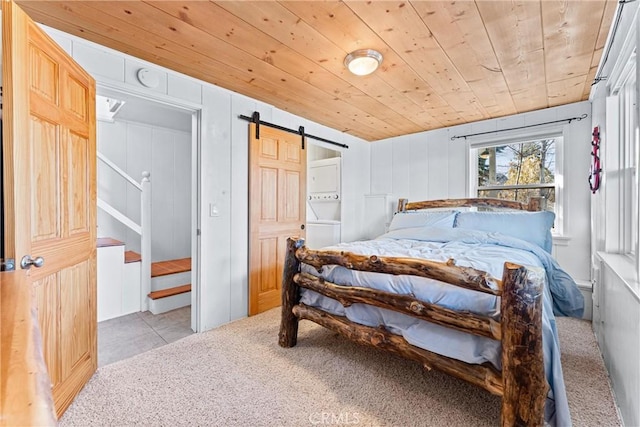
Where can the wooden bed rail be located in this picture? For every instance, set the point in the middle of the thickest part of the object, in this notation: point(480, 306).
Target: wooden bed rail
point(464, 277)
point(485, 376)
point(462, 321)
point(535, 204)
point(521, 383)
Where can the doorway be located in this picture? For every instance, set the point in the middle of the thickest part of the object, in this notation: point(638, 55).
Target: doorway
point(153, 143)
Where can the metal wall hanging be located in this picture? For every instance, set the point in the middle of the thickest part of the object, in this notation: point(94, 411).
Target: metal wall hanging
point(594, 173)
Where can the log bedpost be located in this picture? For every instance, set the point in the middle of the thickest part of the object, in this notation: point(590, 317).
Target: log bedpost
point(524, 383)
point(402, 205)
point(290, 295)
point(536, 204)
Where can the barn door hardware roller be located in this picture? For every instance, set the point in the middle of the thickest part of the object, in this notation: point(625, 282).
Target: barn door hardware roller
point(301, 132)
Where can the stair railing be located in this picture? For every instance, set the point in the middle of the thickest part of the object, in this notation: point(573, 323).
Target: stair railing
point(145, 241)
point(143, 229)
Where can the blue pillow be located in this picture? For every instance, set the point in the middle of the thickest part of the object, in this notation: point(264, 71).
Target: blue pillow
point(533, 227)
point(422, 219)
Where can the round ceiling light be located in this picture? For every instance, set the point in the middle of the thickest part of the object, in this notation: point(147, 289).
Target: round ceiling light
point(363, 61)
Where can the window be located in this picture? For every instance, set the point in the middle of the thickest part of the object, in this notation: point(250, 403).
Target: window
point(519, 170)
point(621, 170)
point(628, 161)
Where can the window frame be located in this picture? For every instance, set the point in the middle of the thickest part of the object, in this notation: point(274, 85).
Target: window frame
point(542, 132)
point(621, 163)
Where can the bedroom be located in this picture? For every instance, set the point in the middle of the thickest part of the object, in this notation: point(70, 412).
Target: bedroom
point(224, 177)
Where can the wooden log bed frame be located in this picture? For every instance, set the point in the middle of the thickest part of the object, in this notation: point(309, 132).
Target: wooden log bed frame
point(521, 383)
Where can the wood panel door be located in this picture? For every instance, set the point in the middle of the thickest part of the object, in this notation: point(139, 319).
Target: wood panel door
point(49, 143)
point(277, 210)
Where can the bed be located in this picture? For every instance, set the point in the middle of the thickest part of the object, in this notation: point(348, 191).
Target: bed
point(472, 293)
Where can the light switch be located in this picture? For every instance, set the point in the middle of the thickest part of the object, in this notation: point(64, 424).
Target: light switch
point(213, 210)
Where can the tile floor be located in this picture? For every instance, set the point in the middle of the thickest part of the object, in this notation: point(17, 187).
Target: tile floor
point(126, 336)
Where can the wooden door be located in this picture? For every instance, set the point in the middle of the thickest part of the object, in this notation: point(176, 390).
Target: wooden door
point(277, 210)
point(49, 148)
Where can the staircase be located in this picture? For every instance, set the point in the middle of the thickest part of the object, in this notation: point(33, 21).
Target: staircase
point(118, 279)
point(168, 288)
point(119, 282)
point(143, 229)
point(129, 282)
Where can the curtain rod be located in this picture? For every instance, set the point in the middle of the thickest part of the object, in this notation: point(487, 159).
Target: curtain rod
point(614, 29)
point(584, 116)
point(256, 119)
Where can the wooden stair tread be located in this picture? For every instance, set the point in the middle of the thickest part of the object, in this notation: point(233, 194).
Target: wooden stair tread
point(104, 242)
point(170, 291)
point(173, 266)
point(131, 256)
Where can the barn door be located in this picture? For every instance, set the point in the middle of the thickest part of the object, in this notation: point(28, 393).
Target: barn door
point(49, 148)
point(277, 201)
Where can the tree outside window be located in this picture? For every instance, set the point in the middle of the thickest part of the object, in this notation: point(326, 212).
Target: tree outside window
point(518, 171)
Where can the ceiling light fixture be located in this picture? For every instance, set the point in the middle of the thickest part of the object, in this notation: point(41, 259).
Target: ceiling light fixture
point(363, 62)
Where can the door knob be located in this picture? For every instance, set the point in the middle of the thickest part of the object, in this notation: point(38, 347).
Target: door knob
point(26, 262)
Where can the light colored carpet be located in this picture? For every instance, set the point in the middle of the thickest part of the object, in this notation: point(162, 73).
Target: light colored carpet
point(237, 375)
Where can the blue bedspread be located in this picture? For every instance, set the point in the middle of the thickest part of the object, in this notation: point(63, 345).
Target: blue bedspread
point(481, 250)
point(567, 299)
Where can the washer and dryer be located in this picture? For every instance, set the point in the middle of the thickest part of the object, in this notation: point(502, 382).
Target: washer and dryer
point(323, 202)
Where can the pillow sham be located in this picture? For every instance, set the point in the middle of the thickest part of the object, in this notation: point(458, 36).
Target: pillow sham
point(532, 227)
point(422, 219)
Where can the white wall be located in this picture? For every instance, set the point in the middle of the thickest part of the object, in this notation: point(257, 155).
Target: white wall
point(223, 169)
point(616, 314)
point(616, 322)
point(429, 165)
point(166, 154)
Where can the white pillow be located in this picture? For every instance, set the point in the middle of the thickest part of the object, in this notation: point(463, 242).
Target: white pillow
point(422, 218)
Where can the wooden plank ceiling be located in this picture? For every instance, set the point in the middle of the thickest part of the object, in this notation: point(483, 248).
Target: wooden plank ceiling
point(445, 63)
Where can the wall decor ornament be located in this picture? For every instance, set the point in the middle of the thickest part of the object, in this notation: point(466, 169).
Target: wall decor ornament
point(594, 173)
